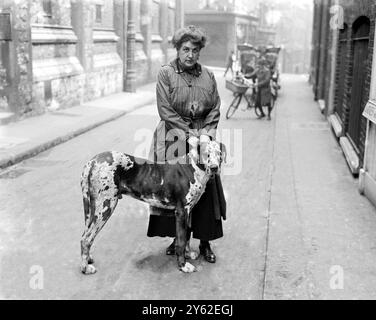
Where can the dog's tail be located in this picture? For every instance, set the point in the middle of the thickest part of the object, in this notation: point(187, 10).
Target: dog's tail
point(85, 186)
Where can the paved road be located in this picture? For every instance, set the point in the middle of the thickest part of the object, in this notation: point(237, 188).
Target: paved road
point(277, 217)
point(42, 220)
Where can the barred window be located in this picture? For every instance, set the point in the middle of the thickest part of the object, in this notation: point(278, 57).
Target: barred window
point(155, 17)
point(47, 7)
point(98, 13)
point(171, 21)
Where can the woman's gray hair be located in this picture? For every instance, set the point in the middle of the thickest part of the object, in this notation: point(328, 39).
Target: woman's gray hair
point(191, 33)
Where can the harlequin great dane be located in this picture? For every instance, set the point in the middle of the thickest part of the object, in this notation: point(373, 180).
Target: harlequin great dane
point(177, 186)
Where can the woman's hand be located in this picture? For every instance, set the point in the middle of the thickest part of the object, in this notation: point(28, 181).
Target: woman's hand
point(204, 139)
point(193, 142)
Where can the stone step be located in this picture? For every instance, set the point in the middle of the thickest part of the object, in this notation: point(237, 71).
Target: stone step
point(350, 154)
point(321, 105)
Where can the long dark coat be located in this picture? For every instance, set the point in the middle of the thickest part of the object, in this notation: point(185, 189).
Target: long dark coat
point(188, 104)
point(264, 77)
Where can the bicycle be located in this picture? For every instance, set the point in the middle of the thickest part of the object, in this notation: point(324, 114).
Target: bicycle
point(275, 85)
point(240, 89)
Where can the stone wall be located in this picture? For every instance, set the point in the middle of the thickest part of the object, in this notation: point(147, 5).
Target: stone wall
point(159, 10)
point(64, 52)
point(58, 80)
point(361, 8)
point(105, 76)
point(322, 57)
point(15, 71)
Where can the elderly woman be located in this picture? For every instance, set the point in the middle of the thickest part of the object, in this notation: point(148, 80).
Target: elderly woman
point(188, 105)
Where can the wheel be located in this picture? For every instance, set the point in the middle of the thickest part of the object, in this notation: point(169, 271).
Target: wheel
point(272, 101)
point(257, 111)
point(233, 106)
point(276, 94)
point(250, 99)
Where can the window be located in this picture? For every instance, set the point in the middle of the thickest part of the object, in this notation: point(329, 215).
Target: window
point(98, 13)
point(5, 26)
point(47, 91)
point(171, 21)
point(47, 7)
point(155, 17)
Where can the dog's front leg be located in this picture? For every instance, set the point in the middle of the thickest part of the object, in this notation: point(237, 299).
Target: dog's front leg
point(181, 240)
point(189, 253)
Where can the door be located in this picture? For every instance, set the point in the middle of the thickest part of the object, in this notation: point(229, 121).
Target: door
point(341, 71)
point(360, 64)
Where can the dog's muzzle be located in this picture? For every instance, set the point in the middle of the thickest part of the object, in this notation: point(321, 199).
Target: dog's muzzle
point(212, 170)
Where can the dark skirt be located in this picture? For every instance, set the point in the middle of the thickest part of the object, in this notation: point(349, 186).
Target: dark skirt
point(207, 216)
point(264, 97)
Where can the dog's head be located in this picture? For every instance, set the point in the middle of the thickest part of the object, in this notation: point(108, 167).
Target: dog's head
point(212, 154)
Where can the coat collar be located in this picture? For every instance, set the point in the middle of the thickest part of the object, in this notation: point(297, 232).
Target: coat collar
point(196, 70)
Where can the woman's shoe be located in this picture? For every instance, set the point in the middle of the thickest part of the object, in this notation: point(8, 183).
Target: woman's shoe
point(170, 251)
point(208, 254)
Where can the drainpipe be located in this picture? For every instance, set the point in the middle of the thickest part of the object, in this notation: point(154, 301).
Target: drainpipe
point(179, 14)
point(130, 84)
point(335, 34)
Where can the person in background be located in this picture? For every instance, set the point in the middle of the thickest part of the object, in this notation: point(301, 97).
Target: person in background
point(264, 96)
point(230, 62)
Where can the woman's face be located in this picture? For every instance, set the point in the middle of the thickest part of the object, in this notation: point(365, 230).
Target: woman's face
point(188, 54)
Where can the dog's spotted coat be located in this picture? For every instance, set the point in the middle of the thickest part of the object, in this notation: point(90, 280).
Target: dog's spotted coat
point(109, 175)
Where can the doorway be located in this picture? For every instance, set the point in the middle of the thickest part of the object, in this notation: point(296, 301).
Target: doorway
point(341, 71)
point(360, 39)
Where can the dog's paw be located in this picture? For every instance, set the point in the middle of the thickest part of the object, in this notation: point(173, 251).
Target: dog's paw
point(192, 255)
point(188, 268)
point(88, 269)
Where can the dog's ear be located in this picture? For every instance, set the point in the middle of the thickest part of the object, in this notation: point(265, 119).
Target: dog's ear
point(223, 151)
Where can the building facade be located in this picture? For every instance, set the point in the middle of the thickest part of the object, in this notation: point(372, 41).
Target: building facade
point(294, 28)
point(265, 32)
point(228, 23)
point(225, 30)
point(342, 69)
point(60, 53)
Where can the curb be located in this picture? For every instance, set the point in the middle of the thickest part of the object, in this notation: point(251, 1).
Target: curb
point(7, 117)
point(12, 160)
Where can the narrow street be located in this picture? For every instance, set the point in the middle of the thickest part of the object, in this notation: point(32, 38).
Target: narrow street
point(295, 216)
